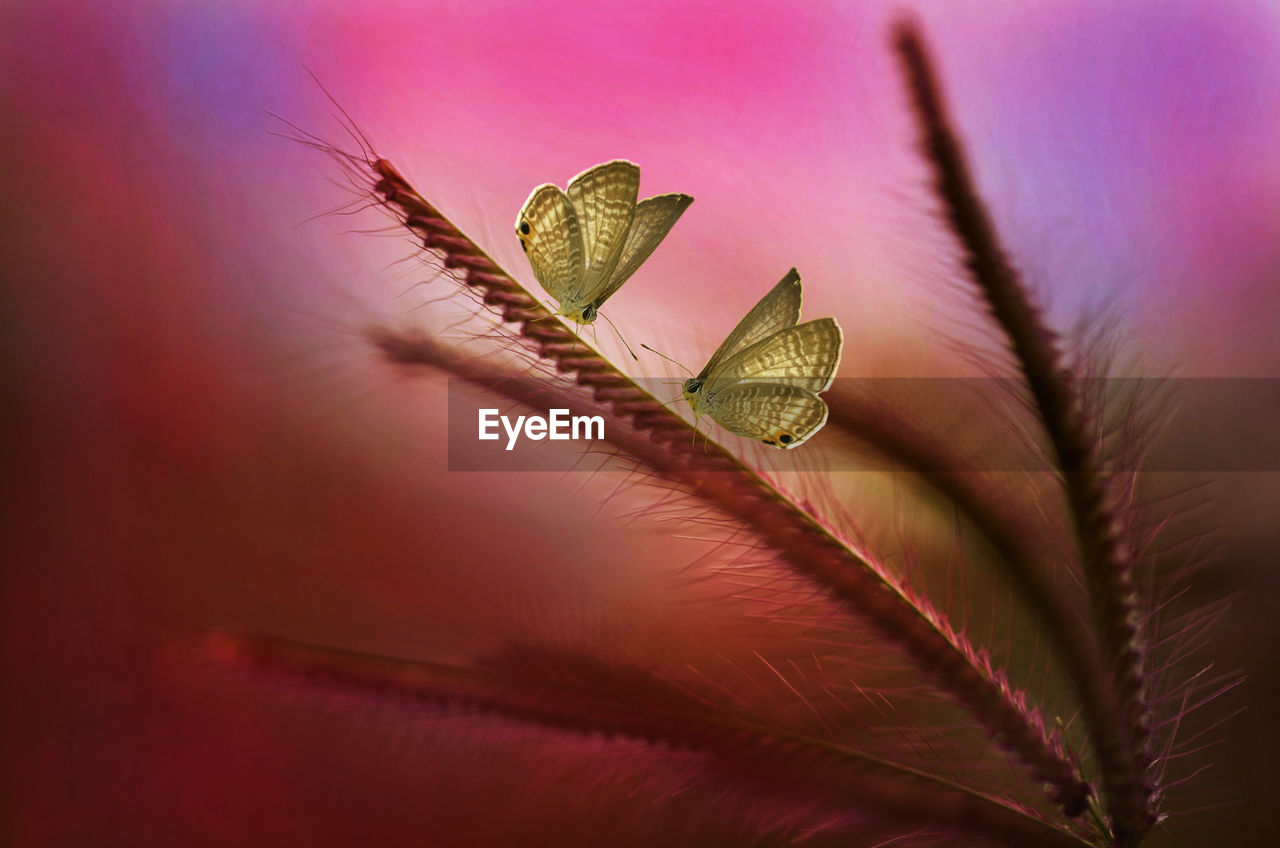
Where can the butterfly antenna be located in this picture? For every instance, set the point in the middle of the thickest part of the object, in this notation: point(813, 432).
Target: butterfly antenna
point(624, 341)
point(664, 356)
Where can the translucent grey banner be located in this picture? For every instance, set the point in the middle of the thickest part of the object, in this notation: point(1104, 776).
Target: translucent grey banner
point(1203, 425)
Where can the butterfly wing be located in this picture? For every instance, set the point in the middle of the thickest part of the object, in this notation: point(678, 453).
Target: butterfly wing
point(549, 232)
point(654, 217)
point(604, 198)
point(777, 310)
point(806, 356)
point(781, 416)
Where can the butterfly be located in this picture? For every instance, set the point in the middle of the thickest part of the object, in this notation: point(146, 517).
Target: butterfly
point(763, 381)
point(586, 242)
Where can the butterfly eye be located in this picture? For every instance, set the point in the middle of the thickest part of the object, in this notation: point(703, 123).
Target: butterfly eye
point(589, 313)
point(692, 386)
point(524, 227)
point(786, 438)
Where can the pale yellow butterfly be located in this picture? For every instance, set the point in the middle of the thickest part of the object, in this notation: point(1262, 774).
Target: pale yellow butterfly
point(583, 244)
point(763, 382)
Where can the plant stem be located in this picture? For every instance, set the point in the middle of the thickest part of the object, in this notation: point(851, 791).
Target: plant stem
point(712, 473)
point(1115, 706)
point(582, 696)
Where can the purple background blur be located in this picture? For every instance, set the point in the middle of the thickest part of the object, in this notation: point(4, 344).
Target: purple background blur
point(200, 438)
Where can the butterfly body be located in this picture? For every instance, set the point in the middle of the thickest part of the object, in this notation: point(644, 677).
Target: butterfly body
point(763, 381)
point(583, 243)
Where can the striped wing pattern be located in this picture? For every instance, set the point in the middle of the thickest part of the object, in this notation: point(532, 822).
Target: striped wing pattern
point(762, 383)
point(780, 416)
point(584, 243)
point(549, 232)
point(654, 218)
point(806, 355)
point(604, 198)
point(777, 310)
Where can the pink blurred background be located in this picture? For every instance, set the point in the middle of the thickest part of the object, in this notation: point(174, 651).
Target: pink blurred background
point(200, 438)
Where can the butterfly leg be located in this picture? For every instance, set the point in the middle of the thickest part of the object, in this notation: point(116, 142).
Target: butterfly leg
point(697, 431)
point(551, 312)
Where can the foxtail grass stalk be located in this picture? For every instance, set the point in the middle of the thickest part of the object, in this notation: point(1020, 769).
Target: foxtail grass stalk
point(899, 439)
point(712, 473)
point(583, 697)
point(1115, 707)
